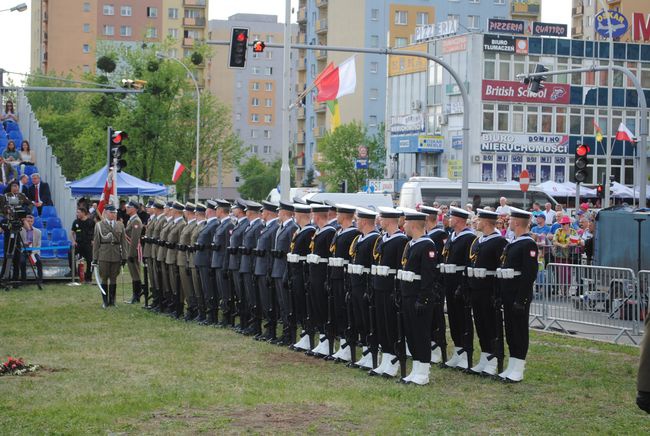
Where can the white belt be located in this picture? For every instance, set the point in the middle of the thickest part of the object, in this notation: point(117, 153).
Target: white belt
point(294, 258)
point(357, 269)
point(337, 262)
point(407, 276)
point(480, 273)
point(507, 273)
point(314, 258)
point(450, 268)
point(382, 271)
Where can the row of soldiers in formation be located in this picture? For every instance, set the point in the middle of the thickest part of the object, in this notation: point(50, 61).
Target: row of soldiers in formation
point(378, 280)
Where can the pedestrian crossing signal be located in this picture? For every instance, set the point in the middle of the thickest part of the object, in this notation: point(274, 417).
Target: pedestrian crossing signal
point(258, 46)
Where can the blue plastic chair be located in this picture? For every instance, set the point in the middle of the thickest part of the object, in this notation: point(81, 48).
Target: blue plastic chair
point(16, 136)
point(38, 221)
point(12, 127)
point(35, 212)
point(29, 170)
point(47, 254)
point(59, 235)
point(48, 211)
point(3, 142)
point(62, 253)
point(53, 222)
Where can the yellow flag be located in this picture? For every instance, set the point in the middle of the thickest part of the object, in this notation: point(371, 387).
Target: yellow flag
point(333, 106)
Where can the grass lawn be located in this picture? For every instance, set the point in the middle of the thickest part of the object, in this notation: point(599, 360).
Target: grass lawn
point(127, 370)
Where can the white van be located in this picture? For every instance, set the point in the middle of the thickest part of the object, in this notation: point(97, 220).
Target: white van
point(359, 199)
point(274, 195)
point(427, 190)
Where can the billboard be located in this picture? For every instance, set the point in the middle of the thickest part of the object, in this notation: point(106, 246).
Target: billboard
point(503, 90)
point(492, 142)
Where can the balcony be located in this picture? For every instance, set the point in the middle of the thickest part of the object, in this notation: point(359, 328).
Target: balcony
point(320, 107)
point(580, 10)
point(319, 132)
point(301, 113)
point(188, 42)
point(302, 15)
point(302, 38)
point(321, 25)
point(577, 30)
point(301, 137)
point(194, 22)
point(321, 3)
point(321, 55)
point(301, 64)
point(523, 9)
point(196, 3)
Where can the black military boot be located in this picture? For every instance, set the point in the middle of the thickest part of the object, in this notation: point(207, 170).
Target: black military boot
point(137, 290)
point(144, 290)
point(112, 291)
point(105, 296)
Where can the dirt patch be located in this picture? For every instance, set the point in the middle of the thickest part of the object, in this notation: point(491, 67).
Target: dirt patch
point(259, 419)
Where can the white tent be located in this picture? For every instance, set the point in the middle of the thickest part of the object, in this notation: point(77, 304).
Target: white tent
point(555, 189)
point(621, 191)
point(584, 190)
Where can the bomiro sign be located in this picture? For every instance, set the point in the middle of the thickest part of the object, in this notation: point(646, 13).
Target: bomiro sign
point(522, 143)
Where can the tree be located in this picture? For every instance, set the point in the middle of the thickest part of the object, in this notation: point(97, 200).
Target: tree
point(259, 178)
point(340, 150)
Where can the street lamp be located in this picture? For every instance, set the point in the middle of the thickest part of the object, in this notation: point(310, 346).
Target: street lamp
point(198, 121)
point(18, 8)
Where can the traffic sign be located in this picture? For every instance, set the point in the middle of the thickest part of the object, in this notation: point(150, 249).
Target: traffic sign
point(524, 180)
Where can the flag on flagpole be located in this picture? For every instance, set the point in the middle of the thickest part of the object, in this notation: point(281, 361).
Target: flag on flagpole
point(624, 134)
point(333, 106)
point(599, 132)
point(178, 171)
point(109, 193)
point(335, 82)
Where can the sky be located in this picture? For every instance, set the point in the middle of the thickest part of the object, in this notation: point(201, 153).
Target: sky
point(15, 26)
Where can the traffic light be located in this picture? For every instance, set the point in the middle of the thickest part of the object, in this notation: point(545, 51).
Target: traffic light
point(581, 163)
point(118, 149)
point(600, 190)
point(238, 46)
point(536, 82)
point(258, 46)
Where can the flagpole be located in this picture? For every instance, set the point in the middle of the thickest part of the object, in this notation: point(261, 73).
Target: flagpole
point(285, 172)
point(610, 88)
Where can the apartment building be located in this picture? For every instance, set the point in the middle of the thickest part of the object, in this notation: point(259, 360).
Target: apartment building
point(632, 18)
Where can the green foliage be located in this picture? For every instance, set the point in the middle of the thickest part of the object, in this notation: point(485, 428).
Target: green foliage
point(340, 151)
point(259, 178)
point(106, 63)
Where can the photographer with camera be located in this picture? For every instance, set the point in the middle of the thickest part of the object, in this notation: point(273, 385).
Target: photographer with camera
point(31, 237)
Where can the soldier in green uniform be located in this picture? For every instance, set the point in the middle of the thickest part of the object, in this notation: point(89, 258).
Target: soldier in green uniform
point(171, 259)
point(157, 221)
point(183, 262)
point(167, 302)
point(133, 233)
point(147, 251)
point(109, 252)
point(199, 303)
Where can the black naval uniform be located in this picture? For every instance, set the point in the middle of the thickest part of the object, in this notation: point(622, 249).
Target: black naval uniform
point(517, 293)
point(299, 275)
point(485, 252)
point(388, 252)
point(246, 270)
point(420, 258)
point(318, 276)
point(340, 248)
point(236, 238)
point(456, 252)
point(360, 287)
point(438, 235)
point(220, 265)
point(263, 264)
point(202, 260)
point(279, 274)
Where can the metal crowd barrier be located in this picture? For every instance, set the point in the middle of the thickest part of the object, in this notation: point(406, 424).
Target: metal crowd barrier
point(593, 298)
point(644, 291)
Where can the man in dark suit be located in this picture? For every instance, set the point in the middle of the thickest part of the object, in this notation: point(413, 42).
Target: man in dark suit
point(39, 193)
point(24, 185)
point(234, 259)
point(247, 266)
point(262, 270)
point(219, 263)
point(202, 260)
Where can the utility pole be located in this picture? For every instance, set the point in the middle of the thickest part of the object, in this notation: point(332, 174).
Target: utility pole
point(285, 172)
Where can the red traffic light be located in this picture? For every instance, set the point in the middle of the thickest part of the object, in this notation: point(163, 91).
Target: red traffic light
point(118, 136)
point(582, 150)
point(241, 37)
point(600, 188)
point(258, 46)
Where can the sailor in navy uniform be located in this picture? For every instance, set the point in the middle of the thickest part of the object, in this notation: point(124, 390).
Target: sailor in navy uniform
point(455, 259)
point(281, 247)
point(485, 254)
point(247, 266)
point(516, 277)
point(434, 228)
point(234, 258)
point(263, 265)
point(339, 258)
point(318, 274)
point(361, 261)
point(202, 260)
point(298, 271)
point(417, 277)
point(388, 256)
point(332, 215)
point(219, 263)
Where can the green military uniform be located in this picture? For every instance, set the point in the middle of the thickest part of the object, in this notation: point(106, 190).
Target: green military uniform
point(167, 298)
point(133, 233)
point(171, 259)
point(109, 251)
point(199, 302)
point(155, 271)
point(146, 252)
point(183, 262)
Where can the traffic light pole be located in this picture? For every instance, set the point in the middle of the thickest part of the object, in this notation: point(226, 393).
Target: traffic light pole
point(643, 125)
point(284, 176)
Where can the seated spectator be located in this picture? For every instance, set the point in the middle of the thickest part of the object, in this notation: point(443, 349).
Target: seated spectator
point(503, 206)
point(24, 185)
point(10, 154)
point(15, 198)
point(7, 172)
point(31, 237)
point(27, 156)
point(9, 114)
point(39, 193)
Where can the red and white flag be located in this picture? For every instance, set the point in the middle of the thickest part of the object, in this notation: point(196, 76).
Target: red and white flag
point(109, 193)
point(178, 171)
point(334, 82)
point(624, 134)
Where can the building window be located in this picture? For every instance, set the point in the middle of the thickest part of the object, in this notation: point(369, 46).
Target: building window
point(172, 53)
point(255, 101)
point(152, 32)
point(152, 12)
point(255, 118)
point(268, 102)
point(401, 18)
point(125, 31)
point(269, 38)
point(86, 28)
point(86, 68)
point(372, 121)
point(374, 41)
point(238, 84)
point(373, 94)
point(475, 1)
point(499, 2)
point(86, 48)
point(126, 11)
point(268, 86)
point(268, 118)
point(268, 71)
point(254, 149)
point(488, 117)
point(267, 149)
point(172, 33)
point(255, 86)
point(109, 30)
point(269, 54)
point(374, 67)
point(267, 134)
point(401, 42)
point(374, 14)
point(109, 10)
point(473, 21)
point(237, 116)
point(172, 13)
point(86, 7)
point(453, 17)
point(255, 71)
point(422, 18)
point(254, 133)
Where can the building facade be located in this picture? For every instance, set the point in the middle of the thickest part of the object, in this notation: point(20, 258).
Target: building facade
point(510, 128)
point(66, 33)
point(632, 18)
point(255, 92)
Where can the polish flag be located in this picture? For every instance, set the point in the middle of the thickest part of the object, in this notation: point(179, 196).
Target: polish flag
point(624, 134)
point(334, 82)
point(178, 171)
point(109, 193)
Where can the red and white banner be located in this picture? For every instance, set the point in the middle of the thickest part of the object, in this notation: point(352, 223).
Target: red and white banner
point(624, 134)
point(334, 82)
point(109, 193)
point(178, 171)
point(503, 90)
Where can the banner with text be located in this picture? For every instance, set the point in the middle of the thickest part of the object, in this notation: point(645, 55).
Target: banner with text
point(503, 90)
point(523, 143)
point(500, 25)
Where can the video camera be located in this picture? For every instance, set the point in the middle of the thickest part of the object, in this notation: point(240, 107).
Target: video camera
point(14, 213)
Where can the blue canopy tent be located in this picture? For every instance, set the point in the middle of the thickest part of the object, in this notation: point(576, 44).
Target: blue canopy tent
point(126, 185)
